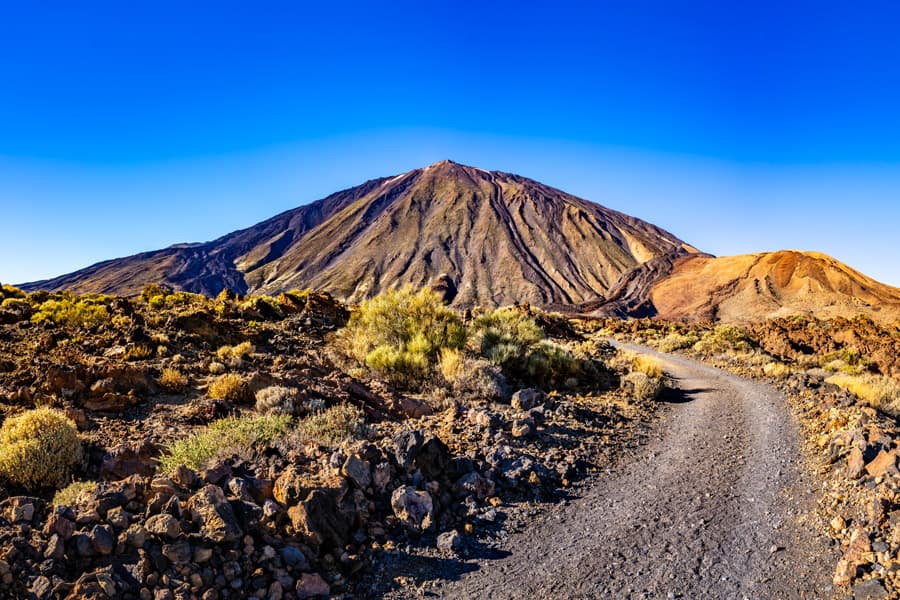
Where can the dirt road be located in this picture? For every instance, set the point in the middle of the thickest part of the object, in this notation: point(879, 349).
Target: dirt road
point(711, 508)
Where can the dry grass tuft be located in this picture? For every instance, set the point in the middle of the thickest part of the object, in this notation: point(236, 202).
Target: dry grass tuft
point(882, 393)
point(229, 387)
point(172, 380)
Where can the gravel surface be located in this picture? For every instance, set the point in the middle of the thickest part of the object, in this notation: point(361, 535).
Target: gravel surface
point(717, 505)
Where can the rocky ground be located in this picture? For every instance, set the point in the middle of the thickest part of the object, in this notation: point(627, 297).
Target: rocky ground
point(295, 519)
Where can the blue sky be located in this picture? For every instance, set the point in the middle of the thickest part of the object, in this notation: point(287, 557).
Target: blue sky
point(739, 128)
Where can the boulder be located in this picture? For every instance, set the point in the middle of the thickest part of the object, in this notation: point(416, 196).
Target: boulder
point(311, 585)
point(358, 471)
point(129, 458)
point(449, 541)
point(320, 520)
point(473, 484)
point(406, 444)
point(413, 507)
point(527, 399)
point(210, 511)
point(884, 463)
point(292, 486)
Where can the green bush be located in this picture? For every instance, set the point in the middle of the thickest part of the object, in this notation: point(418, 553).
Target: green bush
point(222, 438)
point(39, 448)
point(399, 334)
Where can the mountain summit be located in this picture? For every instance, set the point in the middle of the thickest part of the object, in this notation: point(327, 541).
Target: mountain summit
point(492, 238)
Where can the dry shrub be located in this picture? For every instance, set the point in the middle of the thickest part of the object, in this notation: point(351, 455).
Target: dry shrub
point(333, 425)
point(228, 387)
point(39, 448)
point(469, 378)
point(677, 341)
point(172, 380)
point(647, 365)
point(882, 393)
point(642, 386)
point(777, 370)
point(216, 368)
point(277, 399)
point(138, 352)
point(235, 353)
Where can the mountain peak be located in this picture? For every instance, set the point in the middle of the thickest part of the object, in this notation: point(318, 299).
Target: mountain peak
point(498, 238)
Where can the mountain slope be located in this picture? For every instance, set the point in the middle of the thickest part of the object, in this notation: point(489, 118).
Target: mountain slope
point(500, 238)
point(755, 287)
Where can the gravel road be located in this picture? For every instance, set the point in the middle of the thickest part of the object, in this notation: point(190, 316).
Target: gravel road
point(712, 507)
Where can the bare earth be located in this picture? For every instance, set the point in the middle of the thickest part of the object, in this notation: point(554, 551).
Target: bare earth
point(717, 505)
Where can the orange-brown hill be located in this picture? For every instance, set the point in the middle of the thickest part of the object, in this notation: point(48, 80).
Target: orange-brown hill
point(756, 287)
point(500, 238)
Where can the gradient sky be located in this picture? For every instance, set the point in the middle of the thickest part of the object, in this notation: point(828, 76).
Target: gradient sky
point(740, 127)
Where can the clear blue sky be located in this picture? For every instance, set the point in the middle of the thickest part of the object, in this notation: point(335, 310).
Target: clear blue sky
point(740, 127)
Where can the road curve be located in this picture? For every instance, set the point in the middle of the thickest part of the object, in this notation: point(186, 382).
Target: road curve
point(710, 508)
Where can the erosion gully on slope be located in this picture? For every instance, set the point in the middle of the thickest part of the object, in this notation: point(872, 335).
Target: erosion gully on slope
point(717, 505)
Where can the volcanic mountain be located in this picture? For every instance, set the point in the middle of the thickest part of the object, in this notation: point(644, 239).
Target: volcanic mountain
point(493, 238)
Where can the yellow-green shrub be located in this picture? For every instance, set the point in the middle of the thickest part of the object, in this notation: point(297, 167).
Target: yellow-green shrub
point(172, 380)
point(73, 312)
point(68, 496)
point(677, 341)
point(235, 354)
point(882, 393)
point(400, 333)
point(222, 438)
point(724, 339)
point(39, 448)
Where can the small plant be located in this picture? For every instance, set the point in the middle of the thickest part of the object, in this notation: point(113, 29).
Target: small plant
point(39, 448)
point(724, 339)
point(400, 333)
point(647, 365)
point(776, 369)
point(333, 425)
point(68, 496)
point(172, 380)
point(882, 393)
point(642, 386)
point(277, 399)
point(138, 352)
point(228, 387)
point(677, 341)
point(222, 438)
point(234, 355)
point(216, 368)
point(470, 378)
